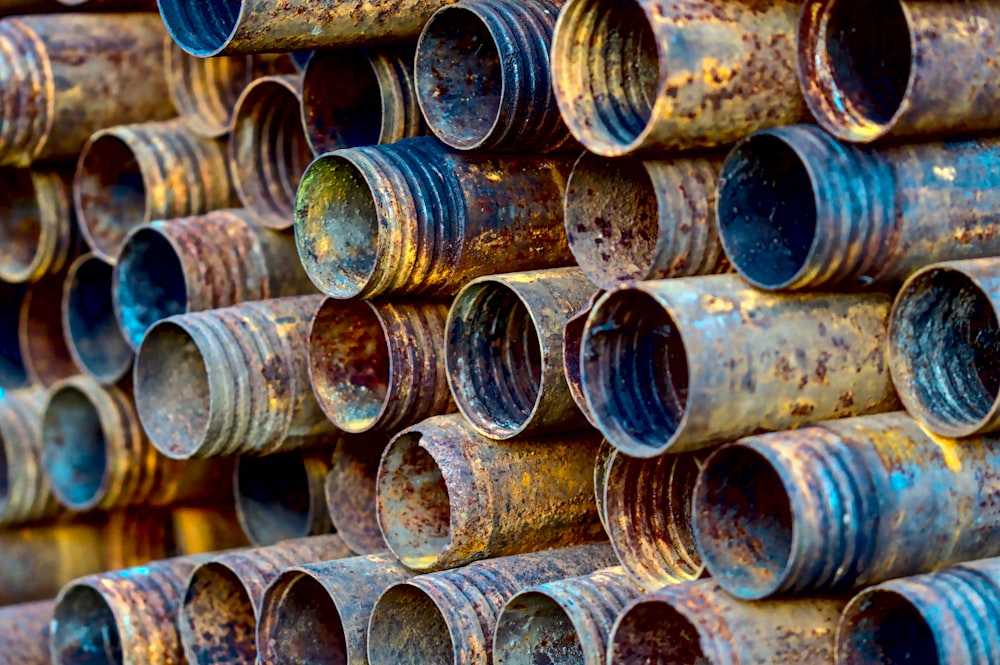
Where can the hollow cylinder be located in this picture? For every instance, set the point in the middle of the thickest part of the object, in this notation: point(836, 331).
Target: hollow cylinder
point(698, 622)
point(44, 352)
point(900, 68)
point(13, 373)
point(629, 219)
point(218, 615)
point(450, 616)
point(416, 219)
point(945, 617)
point(318, 612)
point(194, 264)
point(24, 632)
point(943, 334)
point(483, 81)
point(680, 364)
point(240, 377)
point(280, 497)
point(130, 175)
point(357, 97)
point(448, 496)
point(566, 622)
point(648, 75)
point(96, 455)
point(831, 506)
point(25, 492)
point(379, 364)
point(504, 344)
point(798, 209)
point(70, 75)
point(38, 234)
point(350, 493)
point(571, 348)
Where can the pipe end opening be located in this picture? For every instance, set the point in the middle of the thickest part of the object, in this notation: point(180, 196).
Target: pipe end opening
point(95, 337)
point(217, 620)
point(109, 193)
point(407, 628)
point(273, 498)
point(13, 372)
point(74, 448)
point(534, 628)
point(151, 285)
point(85, 631)
point(653, 631)
point(304, 625)
point(883, 626)
point(340, 89)
point(20, 225)
point(201, 27)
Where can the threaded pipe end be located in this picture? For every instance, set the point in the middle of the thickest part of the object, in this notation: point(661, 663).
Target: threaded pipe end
point(28, 103)
point(205, 90)
point(202, 28)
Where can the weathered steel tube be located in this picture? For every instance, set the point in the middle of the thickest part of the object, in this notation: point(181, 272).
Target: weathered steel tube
point(24, 633)
point(68, 76)
point(567, 622)
point(413, 218)
point(25, 493)
point(200, 263)
point(130, 175)
point(648, 75)
point(680, 364)
point(943, 334)
point(449, 617)
point(448, 496)
point(844, 504)
point(208, 366)
point(630, 220)
point(358, 97)
point(350, 493)
point(800, 210)
point(280, 497)
point(219, 612)
point(483, 81)
point(944, 617)
point(698, 622)
point(605, 456)
point(220, 27)
point(40, 333)
point(318, 612)
point(649, 521)
point(12, 370)
point(38, 234)
point(268, 149)
point(900, 68)
point(504, 344)
point(97, 457)
point(379, 365)
point(94, 339)
point(571, 348)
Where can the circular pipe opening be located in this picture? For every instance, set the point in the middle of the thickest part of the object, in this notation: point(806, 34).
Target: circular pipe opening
point(20, 225)
point(303, 627)
point(635, 373)
point(407, 627)
point(533, 628)
point(883, 626)
point(653, 631)
point(337, 227)
point(13, 373)
point(273, 499)
point(743, 522)
point(84, 629)
point(201, 27)
point(149, 284)
point(44, 346)
point(95, 340)
point(414, 509)
point(218, 620)
point(767, 211)
point(74, 448)
point(340, 97)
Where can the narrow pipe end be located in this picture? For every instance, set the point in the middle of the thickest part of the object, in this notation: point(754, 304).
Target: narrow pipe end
point(217, 620)
point(93, 335)
point(85, 629)
point(21, 226)
point(350, 493)
point(534, 628)
point(274, 499)
point(407, 626)
point(74, 447)
point(884, 626)
point(13, 373)
point(149, 283)
point(300, 624)
point(654, 630)
point(202, 28)
point(340, 90)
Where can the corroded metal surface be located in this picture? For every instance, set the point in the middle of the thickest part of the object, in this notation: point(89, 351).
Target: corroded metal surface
point(379, 365)
point(900, 68)
point(68, 76)
point(504, 346)
point(38, 233)
point(563, 623)
point(449, 617)
point(189, 368)
point(219, 613)
point(680, 364)
point(654, 75)
point(193, 264)
point(843, 504)
point(350, 492)
point(44, 351)
point(482, 72)
point(24, 633)
point(605, 455)
point(448, 496)
point(25, 492)
point(799, 209)
point(414, 218)
point(572, 346)
point(697, 622)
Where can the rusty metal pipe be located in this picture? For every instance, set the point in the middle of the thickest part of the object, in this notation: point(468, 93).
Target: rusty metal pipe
point(379, 365)
point(350, 493)
point(130, 175)
point(448, 496)
point(822, 507)
point(697, 622)
point(12, 370)
point(630, 220)
point(40, 332)
point(648, 75)
point(200, 263)
point(450, 616)
point(680, 364)
point(25, 493)
point(899, 68)
point(483, 82)
point(414, 218)
point(24, 633)
point(800, 210)
point(208, 366)
point(943, 334)
point(38, 234)
point(93, 336)
point(567, 622)
point(218, 616)
point(504, 347)
point(605, 455)
point(359, 97)
point(572, 347)
point(280, 497)
point(67, 76)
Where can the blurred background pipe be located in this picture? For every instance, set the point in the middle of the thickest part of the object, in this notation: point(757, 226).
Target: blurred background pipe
point(571, 349)
point(38, 234)
point(25, 493)
point(24, 633)
point(206, 528)
point(350, 492)
point(44, 351)
point(13, 373)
